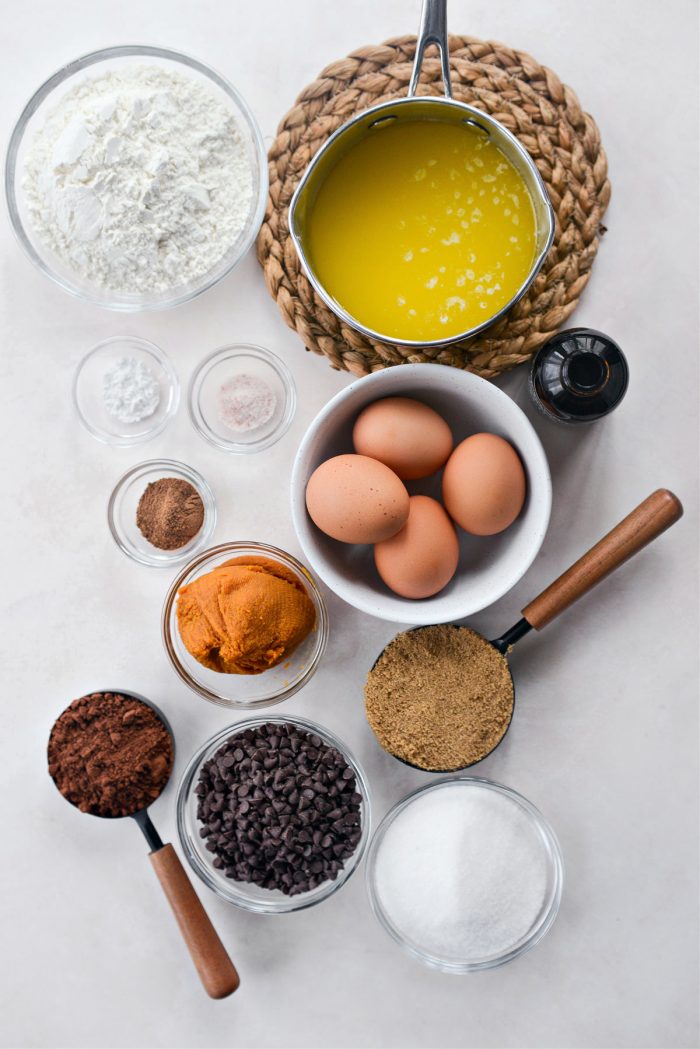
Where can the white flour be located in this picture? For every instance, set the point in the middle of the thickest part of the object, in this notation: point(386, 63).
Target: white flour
point(139, 179)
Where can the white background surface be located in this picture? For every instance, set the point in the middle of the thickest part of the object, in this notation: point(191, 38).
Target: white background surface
point(605, 735)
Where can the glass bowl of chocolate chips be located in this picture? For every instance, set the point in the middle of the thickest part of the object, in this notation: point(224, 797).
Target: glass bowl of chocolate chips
point(273, 814)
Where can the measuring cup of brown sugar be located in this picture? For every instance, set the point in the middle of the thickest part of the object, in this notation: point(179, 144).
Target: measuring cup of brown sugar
point(111, 754)
point(441, 698)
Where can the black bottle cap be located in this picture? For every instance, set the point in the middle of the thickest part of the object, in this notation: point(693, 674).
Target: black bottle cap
point(578, 375)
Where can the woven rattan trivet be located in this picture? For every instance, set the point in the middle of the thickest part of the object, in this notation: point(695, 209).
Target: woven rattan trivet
point(530, 101)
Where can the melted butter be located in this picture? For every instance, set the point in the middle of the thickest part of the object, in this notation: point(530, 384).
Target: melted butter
point(422, 230)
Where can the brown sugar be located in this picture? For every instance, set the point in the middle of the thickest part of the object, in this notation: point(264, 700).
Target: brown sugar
point(439, 697)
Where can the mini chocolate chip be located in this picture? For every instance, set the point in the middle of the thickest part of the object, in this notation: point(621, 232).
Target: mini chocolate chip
point(263, 802)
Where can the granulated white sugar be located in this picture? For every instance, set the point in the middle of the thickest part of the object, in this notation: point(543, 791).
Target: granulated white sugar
point(462, 873)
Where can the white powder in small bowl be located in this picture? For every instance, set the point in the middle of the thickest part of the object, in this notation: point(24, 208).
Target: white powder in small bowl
point(131, 390)
point(462, 873)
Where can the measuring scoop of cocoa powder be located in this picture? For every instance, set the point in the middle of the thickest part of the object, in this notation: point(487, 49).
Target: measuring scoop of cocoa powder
point(110, 755)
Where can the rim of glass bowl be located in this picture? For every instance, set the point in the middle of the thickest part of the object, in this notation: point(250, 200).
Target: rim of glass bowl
point(225, 887)
point(76, 66)
point(241, 349)
point(196, 480)
point(290, 562)
point(127, 440)
point(554, 860)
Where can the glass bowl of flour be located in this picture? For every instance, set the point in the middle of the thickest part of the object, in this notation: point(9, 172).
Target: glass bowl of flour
point(136, 178)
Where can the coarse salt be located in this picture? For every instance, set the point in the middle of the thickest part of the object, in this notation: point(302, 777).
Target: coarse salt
point(246, 403)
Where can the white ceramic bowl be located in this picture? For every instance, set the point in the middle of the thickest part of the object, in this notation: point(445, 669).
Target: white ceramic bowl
point(488, 566)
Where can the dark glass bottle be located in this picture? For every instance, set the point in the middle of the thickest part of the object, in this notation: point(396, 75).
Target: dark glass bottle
point(578, 375)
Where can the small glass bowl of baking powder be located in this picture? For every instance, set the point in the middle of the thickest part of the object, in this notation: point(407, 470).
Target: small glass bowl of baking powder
point(242, 398)
point(123, 194)
point(123, 507)
point(125, 391)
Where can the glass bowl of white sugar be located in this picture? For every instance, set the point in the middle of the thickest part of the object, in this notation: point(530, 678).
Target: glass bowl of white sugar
point(465, 874)
point(136, 178)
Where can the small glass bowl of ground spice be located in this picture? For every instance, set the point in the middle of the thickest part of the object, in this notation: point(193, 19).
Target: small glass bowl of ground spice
point(125, 391)
point(242, 398)
point(270, 632)
point(161, 512)
point(274, 814)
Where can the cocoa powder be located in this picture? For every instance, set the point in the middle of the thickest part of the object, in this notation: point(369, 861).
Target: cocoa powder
point(109, 754)
point(170, 513)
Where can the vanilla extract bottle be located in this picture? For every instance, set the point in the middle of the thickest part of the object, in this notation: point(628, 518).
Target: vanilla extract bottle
point(579, 375)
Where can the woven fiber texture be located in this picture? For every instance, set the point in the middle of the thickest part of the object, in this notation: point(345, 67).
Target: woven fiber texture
point(525, 97)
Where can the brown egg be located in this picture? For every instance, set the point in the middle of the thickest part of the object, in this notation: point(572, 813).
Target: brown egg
point(407, 435)
point(356, 499)
point(483, 486)
point(422, 558)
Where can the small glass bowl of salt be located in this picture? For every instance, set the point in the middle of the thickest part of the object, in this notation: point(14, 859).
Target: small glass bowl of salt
point(125, 391)
point(242, 398)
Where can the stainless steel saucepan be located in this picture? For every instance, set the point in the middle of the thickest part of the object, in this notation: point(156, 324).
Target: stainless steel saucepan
point(433, 30)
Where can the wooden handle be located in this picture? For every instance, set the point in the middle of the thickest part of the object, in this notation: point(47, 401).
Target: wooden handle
point(215, 968)
point(649, 520)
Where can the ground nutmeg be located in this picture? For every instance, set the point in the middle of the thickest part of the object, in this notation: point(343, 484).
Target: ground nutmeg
point(170, 513)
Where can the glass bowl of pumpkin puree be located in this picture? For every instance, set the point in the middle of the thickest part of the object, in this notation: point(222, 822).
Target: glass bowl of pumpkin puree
point(245, 625)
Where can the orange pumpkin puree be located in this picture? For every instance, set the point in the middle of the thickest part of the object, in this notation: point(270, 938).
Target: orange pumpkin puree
point(244, 616)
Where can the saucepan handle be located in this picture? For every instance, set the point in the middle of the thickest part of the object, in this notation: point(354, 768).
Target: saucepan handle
point(433, 30)
point(646, 522)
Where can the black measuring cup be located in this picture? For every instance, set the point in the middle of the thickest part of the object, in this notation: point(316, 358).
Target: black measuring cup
point(644, 524)
point(215, 968)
